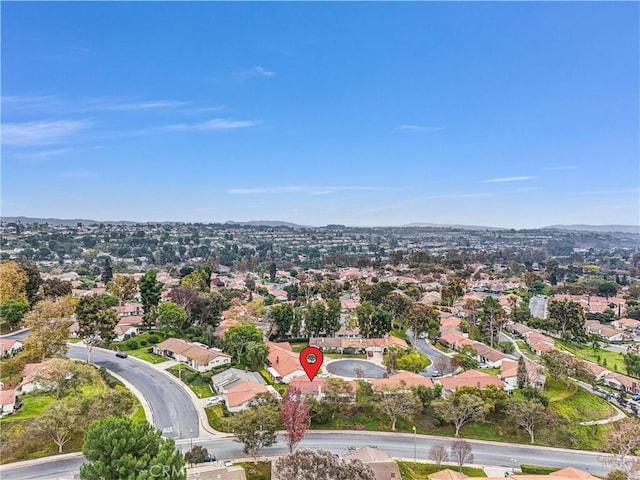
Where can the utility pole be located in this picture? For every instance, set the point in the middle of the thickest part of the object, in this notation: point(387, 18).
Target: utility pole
point(415, 458)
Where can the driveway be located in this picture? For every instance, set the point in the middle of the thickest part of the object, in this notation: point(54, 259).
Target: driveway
point(538, 306)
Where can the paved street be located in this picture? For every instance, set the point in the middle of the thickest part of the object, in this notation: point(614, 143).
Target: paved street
point(398, 445)
point(172, 409)
point(538, 306)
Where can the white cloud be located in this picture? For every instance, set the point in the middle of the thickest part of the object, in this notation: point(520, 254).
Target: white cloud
point(506, 179)
point(153, 105)
point(41, 132)
point(263, 72)
point(215, 124)
point(420, 128)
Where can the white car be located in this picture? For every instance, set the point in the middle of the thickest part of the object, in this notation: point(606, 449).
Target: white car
point(228, 463)
point(213, 401)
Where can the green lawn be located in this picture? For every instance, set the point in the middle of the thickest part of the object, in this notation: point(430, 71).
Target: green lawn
point(419, 471)
point(524, 348)
point(194, 379)
point(143, 354)
point(217, 420)
point(576, 404)
point(611, 360)
point(34, 405)
point(139, 415)
point(298, 347)
point(74, 340)
point(261, 471)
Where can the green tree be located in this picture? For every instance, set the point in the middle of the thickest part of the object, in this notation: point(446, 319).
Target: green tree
point(117, 448)
point(607, 289)
point(374, 321)
point(396, 404)
point(13, 311)
point(465, 357)
point(150, 293)
point(281, 316)
point(632, 362)
point(460, 409)
point(59, 422)
point(197, 454)
point(522, 374)
point(413, 361)
point(107, 271)
point(14, 282)
point(171, 317)
point(34, 280)
point(54, 288)
point(452, 291)
point(199, 280)
point(123, 287)
point(237, 338)
point(256, 428)
point(527, 413)
point(492, 319)
point(96, 322)
point(568, 315)
point(423, 318)
point(255, 355)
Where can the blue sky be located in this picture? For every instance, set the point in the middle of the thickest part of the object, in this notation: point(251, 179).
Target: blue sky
point(500, 114)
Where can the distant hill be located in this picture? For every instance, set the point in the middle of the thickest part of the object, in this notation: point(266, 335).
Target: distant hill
point(444, 225)
point(266, 223)
point(63, 221)
point(597, 228)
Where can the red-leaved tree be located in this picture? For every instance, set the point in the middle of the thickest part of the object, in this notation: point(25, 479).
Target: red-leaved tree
point(295, 416)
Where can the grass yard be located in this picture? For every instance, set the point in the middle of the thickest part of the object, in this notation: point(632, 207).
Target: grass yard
point(197, 382)
point(606, 358)
point(216, 418)
point(261, 471)
point(576, 404)
point(144, 354)
point(419, 471)
point(74, 340)
point(138, 415)
point(524, 348)
point(34, 405)
point(298, 347)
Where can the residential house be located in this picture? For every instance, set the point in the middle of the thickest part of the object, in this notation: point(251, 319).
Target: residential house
point(384, 467)
point(32, 379)
point(7, 402)
point(283, 363)
point(455, 340)
point(240, 396)
point(9, 347)
point(129, 309)
point(198, 356)
point(509, 374)
point(447, 474)
point(470, 378)
point(401, 381)
point(232, 377)
point(489, 357)
point(310, 388)
point(124, 331)
point(538, 342)
point(359, 345)
point(628, 324)
point(621, 382)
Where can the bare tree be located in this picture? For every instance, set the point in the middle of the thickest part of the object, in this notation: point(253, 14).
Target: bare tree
point(397, 404)
point(461, 452)
point(622, 442)
point(461, 409)
point(443, 364)
point(528, 414)
point(438, 454)
point(308, 464)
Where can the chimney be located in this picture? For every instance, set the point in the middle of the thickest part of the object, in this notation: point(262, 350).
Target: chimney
point(393, 475)
point(478, 383)
point(278, 359)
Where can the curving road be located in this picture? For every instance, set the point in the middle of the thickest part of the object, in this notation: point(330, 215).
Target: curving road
point(397, 444)
point(172, 408)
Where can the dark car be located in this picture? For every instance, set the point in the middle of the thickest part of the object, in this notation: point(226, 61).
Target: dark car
point(121, 355)
point(210, 458)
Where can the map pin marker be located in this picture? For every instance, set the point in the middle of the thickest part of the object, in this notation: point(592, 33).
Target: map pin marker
point(311, 359)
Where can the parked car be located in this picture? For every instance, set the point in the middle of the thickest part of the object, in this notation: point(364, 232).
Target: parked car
point(228, 463)
point(210, 458)
point(636, 397)
point(120, 354)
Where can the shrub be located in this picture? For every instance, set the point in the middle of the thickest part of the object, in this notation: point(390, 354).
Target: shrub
point(349, 350)
point(153, 339)
point(143, 343)
point(537, 470)
point(132, 344)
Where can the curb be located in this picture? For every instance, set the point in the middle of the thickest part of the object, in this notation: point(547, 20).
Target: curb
point(40, 461)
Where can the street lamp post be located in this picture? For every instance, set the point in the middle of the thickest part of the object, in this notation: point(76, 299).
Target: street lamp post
point(415, 458)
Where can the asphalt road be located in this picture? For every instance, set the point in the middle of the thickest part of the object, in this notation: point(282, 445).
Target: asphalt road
point(433, 354)
point(172, 409)
point(398, 445)
point(538, 306)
